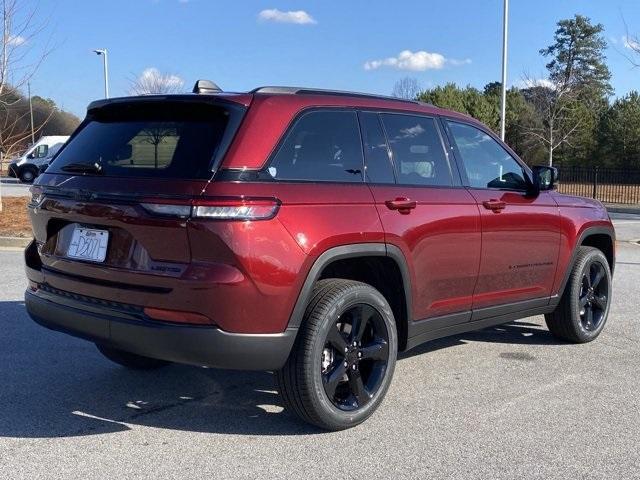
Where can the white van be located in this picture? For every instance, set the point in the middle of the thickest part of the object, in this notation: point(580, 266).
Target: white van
point(28, 166)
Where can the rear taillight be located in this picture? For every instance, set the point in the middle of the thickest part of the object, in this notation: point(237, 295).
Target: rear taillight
point(236, 209)
point(37, 194)
point(239, 208)
point(168, 209)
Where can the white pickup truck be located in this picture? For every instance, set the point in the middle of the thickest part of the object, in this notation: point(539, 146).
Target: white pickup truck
point(28, 166)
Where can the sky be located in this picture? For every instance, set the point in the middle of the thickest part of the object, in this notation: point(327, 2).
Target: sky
point(343, 44)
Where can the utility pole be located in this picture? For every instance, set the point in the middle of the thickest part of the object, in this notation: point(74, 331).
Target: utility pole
point(31, 113)
point(503, 102)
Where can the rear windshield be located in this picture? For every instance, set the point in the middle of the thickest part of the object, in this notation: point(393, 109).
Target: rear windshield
point(165, 140)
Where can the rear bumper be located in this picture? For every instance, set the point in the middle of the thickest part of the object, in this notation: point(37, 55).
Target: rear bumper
point(126, 330)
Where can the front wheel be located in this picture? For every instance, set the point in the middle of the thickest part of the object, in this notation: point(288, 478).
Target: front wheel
point(344, 357)
point(28, 175)
point(584, 307)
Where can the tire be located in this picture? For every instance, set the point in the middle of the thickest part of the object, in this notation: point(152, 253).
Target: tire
point(584, 307)
point(322, 383)
point(28, 175)
point(131, 360)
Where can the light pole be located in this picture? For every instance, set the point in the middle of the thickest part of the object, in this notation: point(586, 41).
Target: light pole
point(33, 140)
point(103, 52)
point(503, 101)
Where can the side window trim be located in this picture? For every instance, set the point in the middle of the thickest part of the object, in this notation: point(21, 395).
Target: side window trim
point(389, 150)
point(364, 148)
point(460, 160)
point(283, 137)
point(455, 181)
point(450, 148)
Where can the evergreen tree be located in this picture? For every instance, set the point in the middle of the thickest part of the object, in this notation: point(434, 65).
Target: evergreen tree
point(619, 137)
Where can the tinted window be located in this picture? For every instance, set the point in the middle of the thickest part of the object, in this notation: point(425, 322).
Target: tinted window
point(378, 167)
point(417, 150)
point(488, 165)
point(161, 140)
point(322, 145)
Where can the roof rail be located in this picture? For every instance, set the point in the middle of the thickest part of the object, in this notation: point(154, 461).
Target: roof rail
point(319, 91)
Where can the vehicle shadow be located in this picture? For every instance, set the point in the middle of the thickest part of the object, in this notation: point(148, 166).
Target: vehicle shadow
point(57, 386)
point(514, 333)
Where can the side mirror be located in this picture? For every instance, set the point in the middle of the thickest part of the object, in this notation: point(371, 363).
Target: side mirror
point(31, 156)
point(544, 178)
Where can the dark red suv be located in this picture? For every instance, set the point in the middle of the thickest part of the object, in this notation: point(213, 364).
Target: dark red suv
point(313, 233)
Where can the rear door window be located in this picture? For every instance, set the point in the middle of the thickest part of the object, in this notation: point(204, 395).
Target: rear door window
point(416, 146)
point(162, 140)
point(322, 145)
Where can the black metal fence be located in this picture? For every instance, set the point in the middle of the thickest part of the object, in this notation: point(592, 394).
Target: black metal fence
point(611, 185)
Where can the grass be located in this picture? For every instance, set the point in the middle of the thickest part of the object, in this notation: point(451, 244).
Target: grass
point(14, 221)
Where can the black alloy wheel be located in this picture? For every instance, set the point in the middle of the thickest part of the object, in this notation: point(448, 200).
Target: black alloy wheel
point(355, 357)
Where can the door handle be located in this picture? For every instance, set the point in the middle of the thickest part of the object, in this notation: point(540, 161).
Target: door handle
point(401, 204)
point(495, 205)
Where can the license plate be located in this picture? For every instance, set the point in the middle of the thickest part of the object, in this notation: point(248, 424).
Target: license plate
point(88, 244)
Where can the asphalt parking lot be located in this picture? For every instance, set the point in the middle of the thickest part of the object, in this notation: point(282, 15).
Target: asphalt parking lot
point(507, 402)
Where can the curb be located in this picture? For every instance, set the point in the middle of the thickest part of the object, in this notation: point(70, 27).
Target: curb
point(631, 210)
point(14, 242)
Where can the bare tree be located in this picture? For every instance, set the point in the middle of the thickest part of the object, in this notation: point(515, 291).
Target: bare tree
point(19, 61)
point(632, 43)
point(155, 135)
point(407, 88)
point(152, 81)
point(557, 107)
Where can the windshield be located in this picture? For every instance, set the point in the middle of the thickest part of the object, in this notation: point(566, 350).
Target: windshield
point(149, 140)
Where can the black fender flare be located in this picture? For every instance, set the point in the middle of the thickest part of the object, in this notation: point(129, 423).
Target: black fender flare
point(349, 251)
point(595, 230)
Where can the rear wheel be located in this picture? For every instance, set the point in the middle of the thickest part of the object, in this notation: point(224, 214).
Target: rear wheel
point(584, 306)
point(343, 361)
point(130, 360)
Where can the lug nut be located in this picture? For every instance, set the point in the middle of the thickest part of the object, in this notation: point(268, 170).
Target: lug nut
point(359, 354)
point(353, 368)
point(345, 364)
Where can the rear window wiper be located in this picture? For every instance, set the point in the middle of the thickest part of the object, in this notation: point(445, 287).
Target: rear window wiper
point(94, 168)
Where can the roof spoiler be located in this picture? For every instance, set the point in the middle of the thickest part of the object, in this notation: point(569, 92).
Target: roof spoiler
point(206, 86)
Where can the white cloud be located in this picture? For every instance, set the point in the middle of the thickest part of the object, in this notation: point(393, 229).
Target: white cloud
point(299, 17)
point(415, 61)
point(632, 43)
point(16, 41)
